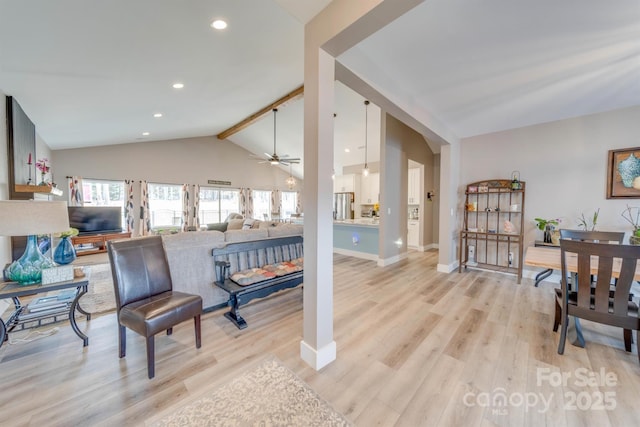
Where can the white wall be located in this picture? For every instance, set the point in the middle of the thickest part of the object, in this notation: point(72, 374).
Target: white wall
point(563, 163)
point(178, 161)
point(415, 148)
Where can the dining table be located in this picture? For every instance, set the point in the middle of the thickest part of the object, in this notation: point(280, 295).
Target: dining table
point(550, 258)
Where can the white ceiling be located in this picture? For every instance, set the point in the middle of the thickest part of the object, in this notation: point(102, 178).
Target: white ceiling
point(93, 73)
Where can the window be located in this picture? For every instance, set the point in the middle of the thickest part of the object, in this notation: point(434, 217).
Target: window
point(103, 193)
point(288, 201)
point(261, 204)
point(216, 204)
point(165, 205)
point(97, 192)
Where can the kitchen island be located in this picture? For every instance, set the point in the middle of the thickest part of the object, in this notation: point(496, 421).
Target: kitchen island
point(356, 237)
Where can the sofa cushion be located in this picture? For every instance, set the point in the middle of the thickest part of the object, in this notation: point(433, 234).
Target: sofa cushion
point(233, 215)
point(286, 230)
point(248, 223)
point(235, 224)
point(255, 275)
point(181, 241)
point(268, 224)
point(244, 235)
point(218, 226)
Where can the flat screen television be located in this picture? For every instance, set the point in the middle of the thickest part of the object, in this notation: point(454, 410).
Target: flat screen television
point(96, 219)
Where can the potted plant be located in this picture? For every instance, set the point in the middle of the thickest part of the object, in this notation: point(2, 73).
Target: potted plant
point(632, 215)
point(547, 226)
point(584, 222)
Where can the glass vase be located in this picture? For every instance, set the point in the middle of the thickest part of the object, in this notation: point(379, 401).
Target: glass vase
point(65, 253)
point(28, 269)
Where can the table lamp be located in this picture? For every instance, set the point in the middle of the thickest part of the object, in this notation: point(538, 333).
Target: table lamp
point(30, 218)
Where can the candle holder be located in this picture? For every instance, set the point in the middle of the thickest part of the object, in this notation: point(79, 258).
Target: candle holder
point(29, 164)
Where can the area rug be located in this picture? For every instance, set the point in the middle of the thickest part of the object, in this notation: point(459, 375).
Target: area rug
point(267, 395)
point(100, 297)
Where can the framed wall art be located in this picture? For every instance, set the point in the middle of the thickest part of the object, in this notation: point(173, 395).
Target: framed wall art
point(623, 173)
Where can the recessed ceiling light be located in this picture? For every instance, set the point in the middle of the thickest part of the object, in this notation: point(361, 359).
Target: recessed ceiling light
point(219, 24)
point(178, 85)
point(346, 150)
point(156, 115)
point(145, 133)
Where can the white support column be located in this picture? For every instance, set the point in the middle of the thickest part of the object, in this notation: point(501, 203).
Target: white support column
point(337, 28)
point(318, 347)
point(449, 183)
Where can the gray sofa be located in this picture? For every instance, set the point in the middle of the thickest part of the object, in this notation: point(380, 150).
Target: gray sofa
point(191, 262)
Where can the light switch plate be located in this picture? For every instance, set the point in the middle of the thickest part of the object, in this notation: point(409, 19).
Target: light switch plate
point(62, 273)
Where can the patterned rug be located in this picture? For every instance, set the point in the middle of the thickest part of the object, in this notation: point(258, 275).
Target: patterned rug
point(100, 297)
point(267, 395)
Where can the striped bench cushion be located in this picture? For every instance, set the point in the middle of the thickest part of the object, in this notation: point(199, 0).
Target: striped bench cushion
point(255, 275)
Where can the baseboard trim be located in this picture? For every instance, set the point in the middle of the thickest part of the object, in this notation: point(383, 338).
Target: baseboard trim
point(447, 268)
point(318, 359)
point(392, 260)
point(356, 254)
point(424, 248)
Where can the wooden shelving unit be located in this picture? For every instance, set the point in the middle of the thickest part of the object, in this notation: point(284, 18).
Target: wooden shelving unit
point(44, 189)
point(95, 243)
point(488, 205)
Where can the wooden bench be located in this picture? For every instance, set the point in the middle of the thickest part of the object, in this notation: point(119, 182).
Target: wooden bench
point(241, 257)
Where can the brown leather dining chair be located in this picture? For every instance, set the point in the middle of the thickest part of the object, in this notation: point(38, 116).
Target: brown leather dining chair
point(612, 237)
point(145, 300)
point(600, 302)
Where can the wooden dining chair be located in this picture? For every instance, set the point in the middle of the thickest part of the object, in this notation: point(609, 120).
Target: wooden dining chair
point(145, 300)
point(604, 304)
point(593, 236)
point(612, 237)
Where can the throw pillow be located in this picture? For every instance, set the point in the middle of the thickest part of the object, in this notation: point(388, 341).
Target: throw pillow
point(235, 224)
point(218, 226)
point(247, 224)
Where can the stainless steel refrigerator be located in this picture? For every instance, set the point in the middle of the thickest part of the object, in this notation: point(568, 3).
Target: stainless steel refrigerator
point(343, 206)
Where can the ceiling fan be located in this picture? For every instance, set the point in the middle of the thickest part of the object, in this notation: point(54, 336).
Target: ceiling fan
point(274, 159)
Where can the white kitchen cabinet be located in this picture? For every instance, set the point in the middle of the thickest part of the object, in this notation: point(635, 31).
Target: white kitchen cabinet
point(413, 233)
point(413, 193)
point(344, 183)
point(370, 189)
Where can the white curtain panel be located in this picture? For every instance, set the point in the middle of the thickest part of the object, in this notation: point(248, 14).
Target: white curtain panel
point(298, 202)
point(75, 191)
point(275, 203)
point(145, 222)
point(128, 205)
point(196, 206)
point(185, 207)
point(246, 202)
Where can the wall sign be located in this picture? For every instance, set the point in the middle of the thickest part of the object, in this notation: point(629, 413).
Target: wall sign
point(216, 182)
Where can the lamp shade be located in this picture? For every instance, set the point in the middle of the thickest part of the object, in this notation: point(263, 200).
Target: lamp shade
point(32, 217)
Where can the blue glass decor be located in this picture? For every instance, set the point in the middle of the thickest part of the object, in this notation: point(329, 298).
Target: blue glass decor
point(28, 269)
point(65, 253)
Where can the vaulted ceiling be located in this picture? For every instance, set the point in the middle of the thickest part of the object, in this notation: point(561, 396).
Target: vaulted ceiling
point(95, 73)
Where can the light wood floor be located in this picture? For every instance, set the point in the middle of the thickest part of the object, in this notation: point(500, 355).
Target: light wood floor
point(415, 348)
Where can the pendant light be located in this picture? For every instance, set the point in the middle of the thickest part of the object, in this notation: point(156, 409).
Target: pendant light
point(365, 171)
point(290, 181)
